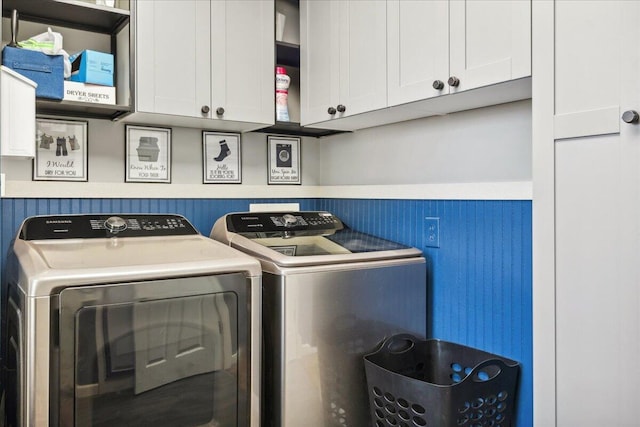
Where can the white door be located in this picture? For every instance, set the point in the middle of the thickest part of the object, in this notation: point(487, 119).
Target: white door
point(363, 57)
point(179, 338)
point(242, 59)
point(490, 41)
point(417, 49)
point(597, 213)
point(319, 56)
point(173, 73)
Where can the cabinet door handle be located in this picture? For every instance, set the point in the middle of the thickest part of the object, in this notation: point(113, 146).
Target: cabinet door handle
point(219, 111)
point(205, 109)
point(438, 84)
point(331, 110)
point(341, 108)
point(453, 81)
point(630, 116)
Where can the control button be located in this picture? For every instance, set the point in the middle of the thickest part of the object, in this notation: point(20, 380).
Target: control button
point(289, 220)
point(115, 224)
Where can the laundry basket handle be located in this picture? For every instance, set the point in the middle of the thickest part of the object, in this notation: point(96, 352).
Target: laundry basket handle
point(479, 374)
point(399, 343)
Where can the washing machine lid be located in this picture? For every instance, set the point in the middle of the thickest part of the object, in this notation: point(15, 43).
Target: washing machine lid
point(304, 238)
point(68, 250)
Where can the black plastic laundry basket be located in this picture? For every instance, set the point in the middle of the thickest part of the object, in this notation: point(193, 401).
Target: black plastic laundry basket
point(436, 383)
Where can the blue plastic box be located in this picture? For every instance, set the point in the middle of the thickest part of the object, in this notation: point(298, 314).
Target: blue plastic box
point(92, 67)
point(46, 70)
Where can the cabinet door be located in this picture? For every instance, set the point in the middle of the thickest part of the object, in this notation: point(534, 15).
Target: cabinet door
point(172, 56)
point(363, 56)
point(490, 41)
point(319, 55)
point(597, 213)
point(242, 60)
point(418, 49)
point(588, 66)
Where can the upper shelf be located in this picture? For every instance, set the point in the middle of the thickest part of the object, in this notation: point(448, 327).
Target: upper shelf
point(291, 128)
point(48, 107)
point(288, 54)
point(69, 13)
point(80, 15)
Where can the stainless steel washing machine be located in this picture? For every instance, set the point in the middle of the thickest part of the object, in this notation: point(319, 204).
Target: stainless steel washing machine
point(330, 295)
point(128, 320)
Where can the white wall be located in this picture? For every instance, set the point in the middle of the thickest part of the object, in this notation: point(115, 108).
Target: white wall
point(490, 144)
point(477, 154)
point(106, 168)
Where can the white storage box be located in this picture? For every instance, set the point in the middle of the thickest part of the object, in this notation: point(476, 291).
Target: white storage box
point(17, 114)
point(86, 92)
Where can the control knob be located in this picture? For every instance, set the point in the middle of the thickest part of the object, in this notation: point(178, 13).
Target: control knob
point(289, 220)
point(115, 224)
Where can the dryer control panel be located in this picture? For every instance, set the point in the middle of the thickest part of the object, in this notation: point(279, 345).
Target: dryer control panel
point(101, 226)
point(278, 222)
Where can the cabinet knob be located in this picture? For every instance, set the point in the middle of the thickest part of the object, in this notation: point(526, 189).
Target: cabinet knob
point(205, 109)
point(630, 116)
point(219, 111)
point(453, 81)
point(331, 110)
point(341, 108)
point(438, 84)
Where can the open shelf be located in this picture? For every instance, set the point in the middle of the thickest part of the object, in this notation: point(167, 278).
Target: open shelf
point(288, 54)
point(81, 109)
point(294, 129)
point(70, 13)
point(74, 15)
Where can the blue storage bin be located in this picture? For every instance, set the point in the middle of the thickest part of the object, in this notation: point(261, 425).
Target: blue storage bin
point(46, 70)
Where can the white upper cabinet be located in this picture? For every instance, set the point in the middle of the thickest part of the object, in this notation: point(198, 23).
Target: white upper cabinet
point(342, 58)
point(490, 42)
point(417, 51)
point(205, 63)
point(242, 57)
point(173, 67)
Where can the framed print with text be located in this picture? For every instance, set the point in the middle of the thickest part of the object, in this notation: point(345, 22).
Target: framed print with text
point(148, 154)
point(61, 150)
point(221, 158)
point(283, 160)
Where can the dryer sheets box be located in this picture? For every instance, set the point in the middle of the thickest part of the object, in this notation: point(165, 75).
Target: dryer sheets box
point(85, 92)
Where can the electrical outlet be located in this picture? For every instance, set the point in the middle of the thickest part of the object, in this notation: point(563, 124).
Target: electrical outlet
point(432, 232)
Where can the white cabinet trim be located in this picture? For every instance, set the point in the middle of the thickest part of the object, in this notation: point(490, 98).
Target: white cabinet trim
point(518, 190)
point(602, 121)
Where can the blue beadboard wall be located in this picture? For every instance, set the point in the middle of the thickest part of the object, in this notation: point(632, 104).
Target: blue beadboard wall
point(479, 278)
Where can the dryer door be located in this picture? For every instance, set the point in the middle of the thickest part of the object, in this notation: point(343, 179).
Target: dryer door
point(162, 353)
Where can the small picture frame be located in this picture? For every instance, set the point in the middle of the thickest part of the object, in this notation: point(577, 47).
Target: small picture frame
point(221, 158)
point(147, 154)
point(61, 150)
point(283, 155)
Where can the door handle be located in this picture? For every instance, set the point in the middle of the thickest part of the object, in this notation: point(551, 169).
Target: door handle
point(630, 116)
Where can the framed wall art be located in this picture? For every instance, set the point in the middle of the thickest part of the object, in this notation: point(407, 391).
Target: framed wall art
point(283, 160)
point(221, 158)
point(147, 154)
point(61, 150)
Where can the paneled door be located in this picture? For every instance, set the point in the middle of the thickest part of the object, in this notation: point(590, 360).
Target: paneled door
point(597, 176)
point(179, 338)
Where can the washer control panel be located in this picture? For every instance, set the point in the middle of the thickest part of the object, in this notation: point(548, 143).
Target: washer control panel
point(101, 226)
point(274, 222)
